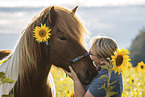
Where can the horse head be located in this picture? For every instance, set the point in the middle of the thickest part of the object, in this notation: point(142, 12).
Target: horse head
point(66, 43)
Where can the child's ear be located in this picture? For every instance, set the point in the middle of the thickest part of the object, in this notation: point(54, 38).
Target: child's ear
point(102, 61)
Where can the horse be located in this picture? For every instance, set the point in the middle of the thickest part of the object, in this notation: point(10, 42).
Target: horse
point(4, 53)
point(31, 61)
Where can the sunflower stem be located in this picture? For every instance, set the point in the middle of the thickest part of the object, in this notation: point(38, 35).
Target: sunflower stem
point(109, 77)
point(109, 74)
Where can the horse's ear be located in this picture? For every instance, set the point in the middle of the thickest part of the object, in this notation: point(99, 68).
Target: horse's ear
point(52, 16)
point(74, 10)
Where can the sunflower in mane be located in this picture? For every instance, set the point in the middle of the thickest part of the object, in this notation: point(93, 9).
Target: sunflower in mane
point(42, 33)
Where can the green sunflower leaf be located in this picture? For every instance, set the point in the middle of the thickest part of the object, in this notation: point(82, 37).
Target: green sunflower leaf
point(106, 79)
point(103, 76)
point(108, 89)
point(107, 63)
point(7, 80)
point(8, 95)
point(113, 82)
point(103, 86)
point(109, 94)
point(2, 75)
point(104, 67)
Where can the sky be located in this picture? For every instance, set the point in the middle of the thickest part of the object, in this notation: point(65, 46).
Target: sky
point(119, 21)
point(13, 3)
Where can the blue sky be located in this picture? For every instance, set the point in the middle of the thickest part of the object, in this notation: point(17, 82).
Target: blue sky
point(13, 3)
point(110, 21)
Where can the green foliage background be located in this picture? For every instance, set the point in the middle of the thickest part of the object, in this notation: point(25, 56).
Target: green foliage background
point(137, 52)
point(3, 80)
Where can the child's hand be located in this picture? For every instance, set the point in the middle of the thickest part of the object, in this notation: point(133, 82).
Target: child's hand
point(71, 74)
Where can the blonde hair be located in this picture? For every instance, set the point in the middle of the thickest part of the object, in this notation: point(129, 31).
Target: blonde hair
point(103, 47)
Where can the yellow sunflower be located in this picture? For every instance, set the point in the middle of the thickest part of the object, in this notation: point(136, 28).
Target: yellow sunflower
point(129, 66)
point(131, 80)
point(141, 66)
point(42, 34)
point(120, 60)
point(135, 69)
point(69, 93)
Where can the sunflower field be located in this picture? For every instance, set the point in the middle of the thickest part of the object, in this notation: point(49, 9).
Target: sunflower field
point(63, 84)
point(133, 81)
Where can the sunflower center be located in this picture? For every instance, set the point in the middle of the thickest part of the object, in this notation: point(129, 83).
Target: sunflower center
point(119, 60)
point(42, 33)
point(132, 81)
point(128, 67)
point(142, 67)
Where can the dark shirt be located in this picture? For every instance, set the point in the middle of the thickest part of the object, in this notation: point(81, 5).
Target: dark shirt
point(97, 83)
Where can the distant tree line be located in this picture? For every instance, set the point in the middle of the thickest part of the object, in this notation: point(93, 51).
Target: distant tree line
point(137, 48)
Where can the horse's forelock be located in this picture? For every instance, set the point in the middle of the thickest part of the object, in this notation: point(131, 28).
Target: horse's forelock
point(65, 21)
point(69, 24)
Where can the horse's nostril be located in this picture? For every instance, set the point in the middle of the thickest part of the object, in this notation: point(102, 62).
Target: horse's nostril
point(89, 74)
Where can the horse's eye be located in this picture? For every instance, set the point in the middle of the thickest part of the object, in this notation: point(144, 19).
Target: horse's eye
point(62, 38)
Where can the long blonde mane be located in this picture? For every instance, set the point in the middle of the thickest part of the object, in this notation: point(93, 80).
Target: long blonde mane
point(27, 53)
